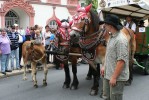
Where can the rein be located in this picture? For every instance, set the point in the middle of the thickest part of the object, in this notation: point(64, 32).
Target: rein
point(94, 40)
point(38, 59)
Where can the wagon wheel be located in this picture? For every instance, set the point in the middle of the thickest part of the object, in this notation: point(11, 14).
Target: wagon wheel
point(146, 65)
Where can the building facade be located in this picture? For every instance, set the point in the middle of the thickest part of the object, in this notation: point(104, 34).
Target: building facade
point(27, 13)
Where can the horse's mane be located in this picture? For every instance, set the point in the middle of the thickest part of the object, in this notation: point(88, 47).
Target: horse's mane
point(95, 20)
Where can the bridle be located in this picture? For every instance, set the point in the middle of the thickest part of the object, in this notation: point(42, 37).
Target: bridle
point(80, 17)
point(91, 40)
point(34, 54)
point(64, 45)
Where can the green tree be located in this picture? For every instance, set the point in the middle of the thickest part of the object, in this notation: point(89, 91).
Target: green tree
point(94, 4)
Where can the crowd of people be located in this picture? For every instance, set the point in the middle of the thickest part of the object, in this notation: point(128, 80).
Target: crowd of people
point(12, 39)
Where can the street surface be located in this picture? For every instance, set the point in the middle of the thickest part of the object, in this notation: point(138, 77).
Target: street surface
point(14, 88)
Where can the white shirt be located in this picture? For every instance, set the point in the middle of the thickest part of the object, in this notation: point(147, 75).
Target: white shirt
point(133, 27)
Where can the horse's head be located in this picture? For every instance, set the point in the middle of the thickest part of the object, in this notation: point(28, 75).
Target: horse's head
point(85, 22)
point(63, 37)
point(64, 28)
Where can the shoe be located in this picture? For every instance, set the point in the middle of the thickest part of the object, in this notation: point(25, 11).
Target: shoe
point(127, 83)
point(21, 66)
point(8, 70)
point(4, 73)
point(18, 69)
point(48, 62)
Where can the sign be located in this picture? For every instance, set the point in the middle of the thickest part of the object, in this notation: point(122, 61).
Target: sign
point(113, 3)
point(141, 29)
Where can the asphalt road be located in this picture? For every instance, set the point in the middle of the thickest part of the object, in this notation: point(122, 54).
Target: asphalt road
point(14, 88)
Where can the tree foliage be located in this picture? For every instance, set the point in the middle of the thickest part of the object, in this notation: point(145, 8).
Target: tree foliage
point(94, 4)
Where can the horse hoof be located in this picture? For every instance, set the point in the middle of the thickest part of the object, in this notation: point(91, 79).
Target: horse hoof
point(36, 86)
point(73, 87)
point(93, 92)
point(45, 84)
point(65, 86)
point(25, 78)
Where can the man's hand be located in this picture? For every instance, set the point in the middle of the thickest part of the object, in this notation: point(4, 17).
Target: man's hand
point(112, 81)
point(102, 71)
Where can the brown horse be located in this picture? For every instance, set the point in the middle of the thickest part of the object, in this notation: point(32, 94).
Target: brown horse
point(63, 45)
point(92, 39)
point(34, 53)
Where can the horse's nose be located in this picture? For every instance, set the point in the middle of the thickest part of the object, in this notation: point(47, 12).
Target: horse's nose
point(72, 34)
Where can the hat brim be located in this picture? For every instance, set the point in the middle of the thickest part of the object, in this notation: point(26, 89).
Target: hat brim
point(119, 27)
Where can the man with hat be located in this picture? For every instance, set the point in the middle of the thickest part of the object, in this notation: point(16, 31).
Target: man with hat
point(13, 36)
point(116, 66)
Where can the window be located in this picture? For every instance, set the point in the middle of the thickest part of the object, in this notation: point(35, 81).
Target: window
point(11, 18)
point(82, 4)
point(53, 24)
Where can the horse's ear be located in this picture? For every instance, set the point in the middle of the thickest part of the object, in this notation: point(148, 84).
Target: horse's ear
point(78, 7)
point(87, 8)
point(58, 22)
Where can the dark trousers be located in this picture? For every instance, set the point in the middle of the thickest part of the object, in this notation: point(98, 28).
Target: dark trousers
point(20, 51)
point(46, 47)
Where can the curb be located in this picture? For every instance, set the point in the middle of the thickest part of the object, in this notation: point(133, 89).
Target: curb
point(18, 72)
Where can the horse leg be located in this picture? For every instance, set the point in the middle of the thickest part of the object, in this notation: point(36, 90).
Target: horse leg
point(89, 74)
point(74, 84)
point(34, 72)
point(67, 76)
point(96, 76)
point(45, 75)
point(24, 74)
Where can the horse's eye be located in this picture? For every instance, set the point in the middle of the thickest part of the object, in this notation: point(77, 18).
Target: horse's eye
point(82, 19)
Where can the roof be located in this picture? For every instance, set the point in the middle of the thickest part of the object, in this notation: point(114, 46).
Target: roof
point(137, 10)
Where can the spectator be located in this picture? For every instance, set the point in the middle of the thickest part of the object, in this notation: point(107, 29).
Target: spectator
point(13, 35)
point(46, 36)
point(21, 35)
point(130, 24)
point(52, 46)
point(28, 34)
point(38, 38)
point(4, 51)
point(32, 32)
point(116, 66)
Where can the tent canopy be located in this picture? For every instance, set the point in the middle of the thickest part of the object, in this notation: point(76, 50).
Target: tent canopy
point(137, 10)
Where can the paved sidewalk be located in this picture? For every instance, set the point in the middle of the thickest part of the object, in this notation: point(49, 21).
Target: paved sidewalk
point(17, 72)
